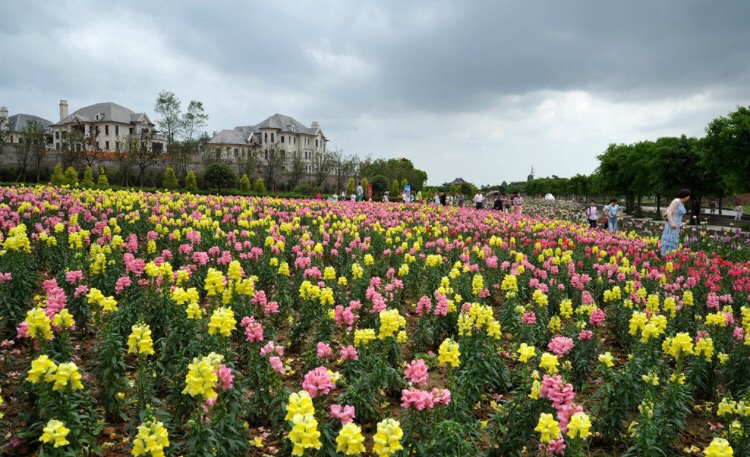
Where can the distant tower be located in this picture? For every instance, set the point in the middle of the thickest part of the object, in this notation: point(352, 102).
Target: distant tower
point(531, 175)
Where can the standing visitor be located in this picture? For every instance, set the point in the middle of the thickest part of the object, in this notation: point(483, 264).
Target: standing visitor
point(460, 200)
point(517, 203)
point(442, 198)
point(318, 196)
point(712, 205)
point(479, 200)
point(670, 239)
point(385, 197)
point(612, 212)
point(360, 193)
point(592, 214)
point(497, 204)
point(738, 211)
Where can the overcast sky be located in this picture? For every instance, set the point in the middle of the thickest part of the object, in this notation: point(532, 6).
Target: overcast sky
point(482, 90)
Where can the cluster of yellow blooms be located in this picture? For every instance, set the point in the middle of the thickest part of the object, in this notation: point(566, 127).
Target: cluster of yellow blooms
point(299, 403)
point(705, 347)
point(363, 336)
point(152, 439)
point(606, 359)
point(477, 284)
point(222, 321)
point(304, 434)
point(39, 324)
point(391, 322)
point(579, 425)
point(448, 353)
point(106, 303)
point(63, 319)
point(214, 284)
point(719, 447)
point(526, 352)
point(202, 377)
point(549, 363)
point(479, 316)
point(17, 240)
point(566, 308)
point(651, 328)
point(350, 440)
point(548, 427)
point(678, 345)
point(42, 368)
point(388, 438)
point(139, 341)
point(55, 432)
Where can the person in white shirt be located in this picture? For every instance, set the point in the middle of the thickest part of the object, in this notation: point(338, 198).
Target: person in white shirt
point(738, 211)
point(479, 200)
point(592, 214)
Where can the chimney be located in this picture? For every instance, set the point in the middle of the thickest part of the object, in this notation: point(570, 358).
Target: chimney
point(63, 109)
point(315, 125)
point(4, 117)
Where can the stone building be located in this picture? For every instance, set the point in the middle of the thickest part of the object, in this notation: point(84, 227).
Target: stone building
point(15, 124)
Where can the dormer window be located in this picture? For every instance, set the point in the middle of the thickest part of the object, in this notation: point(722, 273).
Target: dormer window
point(100, 116)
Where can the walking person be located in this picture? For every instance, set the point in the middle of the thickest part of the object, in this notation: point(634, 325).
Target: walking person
point(670, 239)
point(592, 214)
point(460, 200)
point(360, 193)
point(517, 203)
point(479, 200)
point(738, 211)
point(612, 212)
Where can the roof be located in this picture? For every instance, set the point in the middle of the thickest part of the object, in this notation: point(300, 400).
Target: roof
point(229, 137)
point(105, 112)
point(284, 124)
point(18, 122)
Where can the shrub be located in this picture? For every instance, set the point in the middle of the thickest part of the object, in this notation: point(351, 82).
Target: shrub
point(103, 182)
point(379, 186)
point(71, 176)
point(58, 178)
point(170, 180)
point(364, 184)
point(220, 176)
point(245, 185)
point(350, 186)
point(191, 185)
point(260, 186)
point(88, 178)
point(395, 189)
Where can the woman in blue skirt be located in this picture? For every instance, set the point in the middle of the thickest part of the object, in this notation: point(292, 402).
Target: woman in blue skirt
point(670, 239)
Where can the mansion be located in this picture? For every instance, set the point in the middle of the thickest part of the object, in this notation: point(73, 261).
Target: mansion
point(279, 132)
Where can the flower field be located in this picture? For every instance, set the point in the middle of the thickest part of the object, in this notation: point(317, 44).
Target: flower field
point(171, 324)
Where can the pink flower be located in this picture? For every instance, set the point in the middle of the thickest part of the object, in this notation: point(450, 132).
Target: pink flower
point(597, 317)
point(529, 318)
point(441, 396)
point(417, 399)
point(318, 380)
point(416, 372)
point(424, 305)
point(224, 374)
point(560, 345)
point(271, 307)
point(585, 335)
point(121, 284)
point(324, 350)
point(253, 329)
point(72, 277)
point(345, 416)
point(271, 348)
point(277, 364)
point(348, 352)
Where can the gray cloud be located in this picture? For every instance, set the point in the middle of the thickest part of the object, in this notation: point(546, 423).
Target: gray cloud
point(481, 89)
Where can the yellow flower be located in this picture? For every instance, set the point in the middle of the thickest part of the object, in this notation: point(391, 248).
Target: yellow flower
point(390, 323)
point(679, 345)
point(526, 352)
point(55, 431)
point(719, 447)
point(67, 373)
point(548, 427)
point(63, 319)
point(152, 439)
point(549, 363)
point(214, 283)
point(305, 434)
point(39, 324)
point(194, 311)
point(42, 366)
point(606, 359)
point(363, 336)
point(388, 438)
point(350, 440)
point(579, 425)
point(222, 321)
point(727, 406)
point(448, 353)
point(536, 388)
point(201, 378)
point(566, 308)
point(139, 341)
point(299, 403)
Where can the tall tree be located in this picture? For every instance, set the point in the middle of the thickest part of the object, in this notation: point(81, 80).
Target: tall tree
point(142, 153)
point(726, 149)
point(194, 119)
point(296, 170)
point(35, 140)
point(273, 165)
point(322, 166)
point(170, 123)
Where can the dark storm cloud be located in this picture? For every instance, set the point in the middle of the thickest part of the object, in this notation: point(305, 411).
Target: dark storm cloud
point(514, 82)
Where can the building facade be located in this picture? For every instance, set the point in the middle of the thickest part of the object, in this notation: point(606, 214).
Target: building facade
point(282, 133)
point(14, 125)
point(107, 127)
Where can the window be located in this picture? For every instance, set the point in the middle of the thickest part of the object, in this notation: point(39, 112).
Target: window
point(272, 139)
point(106, 130)
point(57, 146)
point(236, 153)
point(282, 138)
point(265, 137)
point(106, 145)
point(117, 129)
point(265, 154)
point(131, 130)
point(306, 157)
point(316, 143)
point(57, 135)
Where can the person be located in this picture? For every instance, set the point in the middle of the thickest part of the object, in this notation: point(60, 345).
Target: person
point(385, 197)
point(592, 214)
point(670, 239)
point(479, 200)
point(443, 198)
point(353, 197)
point(460, 200)
point(612, 212)
point(436, 199)
point(318, 196)
point(712, 205)
point(360, 193)
point(449, 200)
point(419, 196)
point(517, 203)
point(343, 196)
point(738, 211)
point(497, 204)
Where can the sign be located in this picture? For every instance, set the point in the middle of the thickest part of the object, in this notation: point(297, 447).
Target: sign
point(407, 193)
point(369, 191)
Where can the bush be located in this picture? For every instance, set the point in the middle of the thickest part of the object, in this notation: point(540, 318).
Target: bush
point(260, 186)
point(88, 178)
point(245, 185)
point(220, 176)
point(103, 182)
point(379, 186)
point(71, 176)
point(170, 180)
point(350, 186)
point(58, 178)
point(191, 185)
point(395, 189)
point(364, 184)
point(306, 188)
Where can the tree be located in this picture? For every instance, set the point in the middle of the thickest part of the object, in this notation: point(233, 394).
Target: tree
point(170, 180)
point(33, 148)
point(364, 183)
point(245, 185)
point(220, 176)
point(395, 190)
point(88, 178)
point(58, 177)
point(726, 149)
point(350, 186)
point(394, 169)
point(248, 162)
point(102, 182)
point(379, 186)
point(191, 184)
point(297, 170)
point(193, 119)
point(404, 183)
point(142, 153)
point(91, 152)
point(343, 167)
point(125, 153)
point(322, 166)
point(71, 177)
point(260, 186)
point(273, 165)
point(168, 106)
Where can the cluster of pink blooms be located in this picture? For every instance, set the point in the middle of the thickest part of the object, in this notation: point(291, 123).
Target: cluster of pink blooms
point(528, 318)
point(324, 350)
point(224, 373)
point(347, 316)
point(560, 345)
point(318, 380)
point(416, 372)
point(253, 329)
point(597, 317)
point(348, 353)
point(422, 399)
point(424, 305)
point(343, 413)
